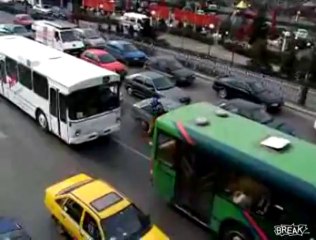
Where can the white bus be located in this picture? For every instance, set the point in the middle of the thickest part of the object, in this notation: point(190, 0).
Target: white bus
point(74, 99)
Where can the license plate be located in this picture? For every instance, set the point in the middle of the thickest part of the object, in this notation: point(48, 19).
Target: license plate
point(275, 105)
point(136, 59)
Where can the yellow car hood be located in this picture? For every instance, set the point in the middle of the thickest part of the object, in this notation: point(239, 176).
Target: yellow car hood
point(155, 234)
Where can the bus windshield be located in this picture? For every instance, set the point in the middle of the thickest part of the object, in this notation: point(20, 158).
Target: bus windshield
point(91, 101)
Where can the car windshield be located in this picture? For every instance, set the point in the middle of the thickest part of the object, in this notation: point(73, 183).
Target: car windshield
point(162, 83)
point(261, 116)
point(91, 34)
point(257, 87)
point(174, 65)
point(106, 58)
point(130, 223)
point(68, 36)
point(129, 47)
point(95, 100)
point(19, 29)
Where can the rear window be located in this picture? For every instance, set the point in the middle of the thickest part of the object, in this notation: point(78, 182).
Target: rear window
point(106, 201)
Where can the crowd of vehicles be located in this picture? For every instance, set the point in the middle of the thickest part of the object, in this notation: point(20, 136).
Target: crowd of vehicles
point(201, 157)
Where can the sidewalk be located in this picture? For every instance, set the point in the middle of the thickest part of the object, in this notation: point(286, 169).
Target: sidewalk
point(214, 50)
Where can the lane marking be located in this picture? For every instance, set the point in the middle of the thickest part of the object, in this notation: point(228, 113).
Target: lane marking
point(133, 150)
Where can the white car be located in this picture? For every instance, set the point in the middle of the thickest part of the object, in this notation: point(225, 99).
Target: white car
point(43, 9)
point(315, 125)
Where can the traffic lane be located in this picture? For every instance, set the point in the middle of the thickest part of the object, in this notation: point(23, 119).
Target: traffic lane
point(6, 17)
point(202, 90)
point(31, 160)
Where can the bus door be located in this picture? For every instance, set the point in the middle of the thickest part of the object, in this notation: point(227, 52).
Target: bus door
point(58, 113)
point(195, 182)
point(2, 76)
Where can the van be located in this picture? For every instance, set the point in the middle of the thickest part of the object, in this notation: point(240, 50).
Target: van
point(59, 35)
point(134, 19)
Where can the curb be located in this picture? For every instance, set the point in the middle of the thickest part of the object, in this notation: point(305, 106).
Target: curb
point(288, 105)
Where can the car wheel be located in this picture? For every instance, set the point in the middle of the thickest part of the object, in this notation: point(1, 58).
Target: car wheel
point(129, 91)
point(42, 120)
point(235, 232)
point(222, 93)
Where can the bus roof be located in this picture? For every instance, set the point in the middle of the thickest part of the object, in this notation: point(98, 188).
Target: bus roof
point(238, 140)
point(68, 72)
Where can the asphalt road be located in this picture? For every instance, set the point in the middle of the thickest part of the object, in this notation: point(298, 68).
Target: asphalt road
point(31, 160)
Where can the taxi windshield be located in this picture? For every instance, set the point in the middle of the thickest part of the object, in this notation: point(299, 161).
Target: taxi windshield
point(130, 223)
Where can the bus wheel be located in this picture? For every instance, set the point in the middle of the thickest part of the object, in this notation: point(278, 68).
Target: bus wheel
point(42, 120)
point(235, 232)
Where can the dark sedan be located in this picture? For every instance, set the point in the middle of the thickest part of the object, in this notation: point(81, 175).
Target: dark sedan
point(256, 113)
point(142, 111)
point(172, 68)
point(149, 84)
point(251, 90)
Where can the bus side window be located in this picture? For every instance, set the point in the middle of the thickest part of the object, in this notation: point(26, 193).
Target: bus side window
point(40, 85)
point(11, 68)
point(166, 149)
point(25, 76)
point(62, 108)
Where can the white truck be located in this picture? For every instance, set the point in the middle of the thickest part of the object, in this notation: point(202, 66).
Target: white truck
point(59, 35)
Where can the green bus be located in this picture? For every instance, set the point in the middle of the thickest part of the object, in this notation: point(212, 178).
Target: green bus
point(240, 179)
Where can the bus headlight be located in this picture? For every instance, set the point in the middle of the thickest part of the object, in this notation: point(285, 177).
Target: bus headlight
point(77, 133)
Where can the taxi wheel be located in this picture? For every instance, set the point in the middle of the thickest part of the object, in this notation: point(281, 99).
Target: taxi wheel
point(60, 229)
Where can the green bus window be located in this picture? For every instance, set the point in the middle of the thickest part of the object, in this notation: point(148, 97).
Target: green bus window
point(166, 149)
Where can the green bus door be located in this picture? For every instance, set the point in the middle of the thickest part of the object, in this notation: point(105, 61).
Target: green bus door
point(164, 178)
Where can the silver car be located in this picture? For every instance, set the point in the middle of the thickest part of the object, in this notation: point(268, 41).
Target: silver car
point(90, 37)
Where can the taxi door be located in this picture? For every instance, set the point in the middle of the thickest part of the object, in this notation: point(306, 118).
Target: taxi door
point(90, 228)
point(71, 217)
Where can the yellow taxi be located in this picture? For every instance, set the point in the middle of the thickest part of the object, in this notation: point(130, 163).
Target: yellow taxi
point(89, 209)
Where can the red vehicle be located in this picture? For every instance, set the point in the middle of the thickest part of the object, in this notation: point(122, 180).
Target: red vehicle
point(105, 60)
point(23, 19)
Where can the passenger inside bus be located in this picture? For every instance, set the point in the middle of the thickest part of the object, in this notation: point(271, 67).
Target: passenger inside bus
point(248, 193)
